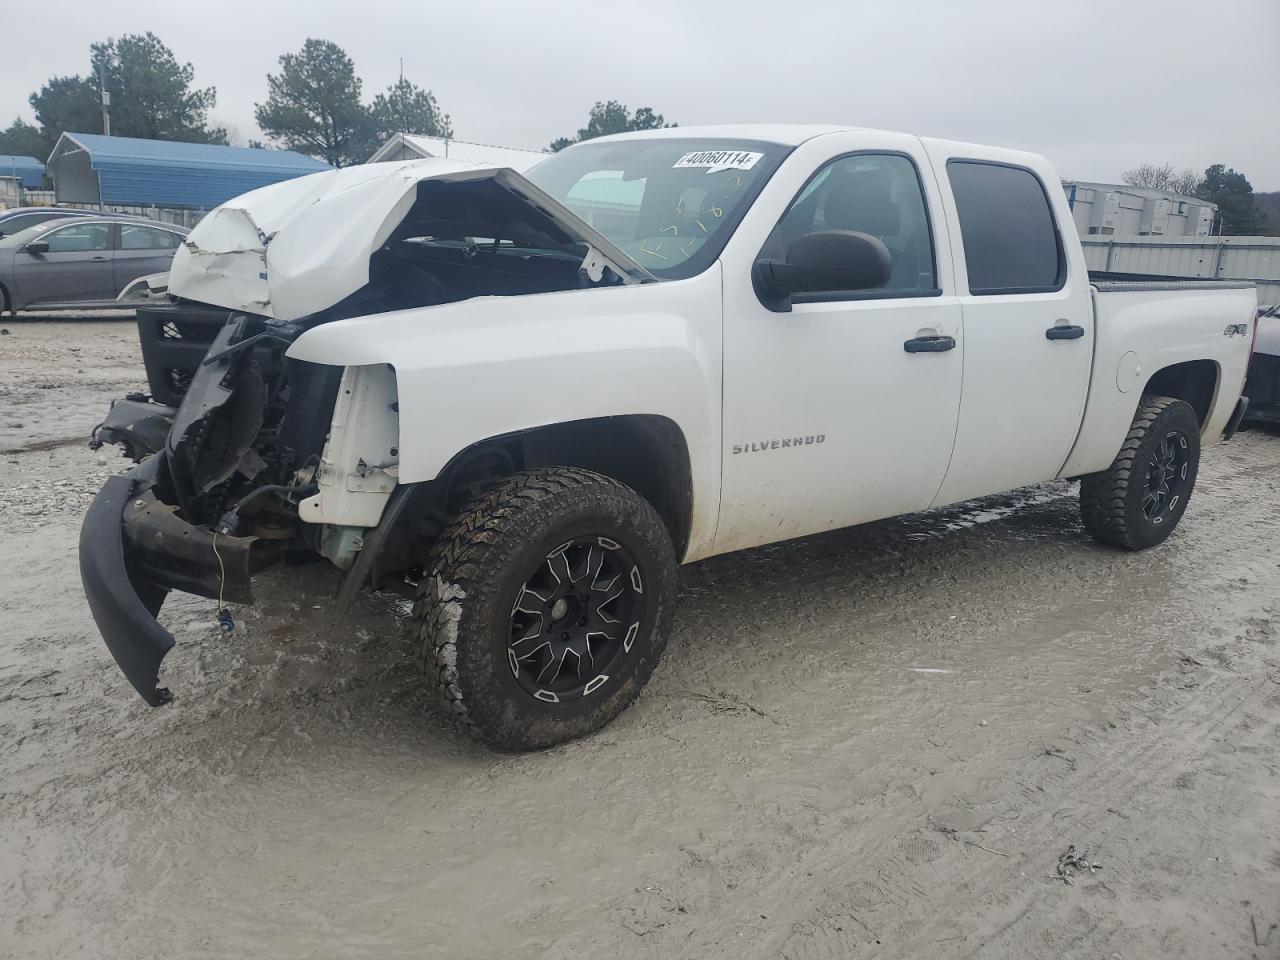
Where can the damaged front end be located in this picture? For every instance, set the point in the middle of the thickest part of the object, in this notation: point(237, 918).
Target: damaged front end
point(247, 457)
point(215, 500)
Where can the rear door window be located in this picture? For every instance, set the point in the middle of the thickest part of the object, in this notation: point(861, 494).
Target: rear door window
point(147, 238)
point(1011, 242)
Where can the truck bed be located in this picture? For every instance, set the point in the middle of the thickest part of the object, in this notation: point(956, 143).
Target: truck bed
point(1108, 280)
point(1197, 328)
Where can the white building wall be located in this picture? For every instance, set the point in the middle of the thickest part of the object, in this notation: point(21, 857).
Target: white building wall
point(1119, 210)
point(10, 192)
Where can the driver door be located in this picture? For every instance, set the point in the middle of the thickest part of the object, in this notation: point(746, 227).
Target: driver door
point(831, 417)
point(76, 267)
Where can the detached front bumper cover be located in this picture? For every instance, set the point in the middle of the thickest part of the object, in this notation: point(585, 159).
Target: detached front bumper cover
point(134, 549)
point(124, 609)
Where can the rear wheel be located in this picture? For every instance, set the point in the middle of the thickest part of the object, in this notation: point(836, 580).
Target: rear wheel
point(546, 606)
point(1139, 499)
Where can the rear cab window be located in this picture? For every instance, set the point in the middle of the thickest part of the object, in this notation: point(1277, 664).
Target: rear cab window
point(1011, 240)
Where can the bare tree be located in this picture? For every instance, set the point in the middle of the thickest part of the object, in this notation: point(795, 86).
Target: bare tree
point(1150, 175)
point(1188, 183)
point(1164, 177)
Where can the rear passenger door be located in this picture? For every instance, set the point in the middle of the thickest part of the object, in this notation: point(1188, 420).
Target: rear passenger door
point(1028, 321)
point(142, 250)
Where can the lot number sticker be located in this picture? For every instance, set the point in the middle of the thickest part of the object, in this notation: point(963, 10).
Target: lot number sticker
point(717, 160)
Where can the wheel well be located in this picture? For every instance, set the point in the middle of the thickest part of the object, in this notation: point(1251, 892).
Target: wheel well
point(646, 452)
point(5, 303)
point(1195, 381)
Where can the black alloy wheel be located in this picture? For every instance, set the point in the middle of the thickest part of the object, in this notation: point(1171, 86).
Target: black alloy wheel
point(1137, 501)
point(575, 619)
point(546, 606)
point(1167, 477)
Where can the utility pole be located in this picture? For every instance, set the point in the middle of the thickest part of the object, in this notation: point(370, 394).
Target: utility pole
point(106, 102)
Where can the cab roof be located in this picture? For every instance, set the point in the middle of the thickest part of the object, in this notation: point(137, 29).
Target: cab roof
point(787, 134)
point(794, 134)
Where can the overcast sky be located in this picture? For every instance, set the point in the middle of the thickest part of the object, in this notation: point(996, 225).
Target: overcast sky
point(1097, 86)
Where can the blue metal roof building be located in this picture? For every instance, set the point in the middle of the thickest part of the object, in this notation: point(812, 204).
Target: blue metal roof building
point(90, 168)
point(27, 169)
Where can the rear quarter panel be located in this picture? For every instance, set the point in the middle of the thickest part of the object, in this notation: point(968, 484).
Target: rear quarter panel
point(1141, 331)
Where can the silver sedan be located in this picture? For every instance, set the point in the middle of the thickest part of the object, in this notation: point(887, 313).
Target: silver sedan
point(81, 263)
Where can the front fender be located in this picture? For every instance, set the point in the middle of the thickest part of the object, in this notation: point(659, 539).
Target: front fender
point(490, 366)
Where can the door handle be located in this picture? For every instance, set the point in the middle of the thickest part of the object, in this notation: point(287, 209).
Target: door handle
point(1066, 332)
point(930, 344)
point(96, 259)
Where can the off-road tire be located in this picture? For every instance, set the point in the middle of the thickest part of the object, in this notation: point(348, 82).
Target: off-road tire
point(1111, 502)
point(478, 569)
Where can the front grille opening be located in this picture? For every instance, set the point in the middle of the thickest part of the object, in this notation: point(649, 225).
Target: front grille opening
point(178, 380)
point(170, 331)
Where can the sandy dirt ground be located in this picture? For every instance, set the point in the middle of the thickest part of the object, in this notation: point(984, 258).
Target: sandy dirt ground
point(871, 743)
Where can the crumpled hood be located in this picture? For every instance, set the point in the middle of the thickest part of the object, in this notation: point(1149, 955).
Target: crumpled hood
point(291, 249)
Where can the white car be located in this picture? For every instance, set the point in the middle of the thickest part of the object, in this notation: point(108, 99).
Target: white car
point(539, 394)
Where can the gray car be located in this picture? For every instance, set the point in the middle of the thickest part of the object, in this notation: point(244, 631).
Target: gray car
point(81, 262)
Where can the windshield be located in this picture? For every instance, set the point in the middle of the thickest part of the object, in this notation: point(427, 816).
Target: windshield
point(27, 234)
point(20, 221)
point(669, 203)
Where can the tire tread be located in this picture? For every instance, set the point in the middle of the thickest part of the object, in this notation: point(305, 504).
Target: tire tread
point(470, 546)
point(1103, 508)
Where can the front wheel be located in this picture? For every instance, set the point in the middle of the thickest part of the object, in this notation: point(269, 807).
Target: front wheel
point(1139, 499)
point(546, 606)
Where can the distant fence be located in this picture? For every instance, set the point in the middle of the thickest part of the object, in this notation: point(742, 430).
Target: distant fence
point(176, 215)
point(1221, 258)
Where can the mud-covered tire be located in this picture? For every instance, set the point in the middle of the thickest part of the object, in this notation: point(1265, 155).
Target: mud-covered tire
point(478, 572)
point(1113, 502)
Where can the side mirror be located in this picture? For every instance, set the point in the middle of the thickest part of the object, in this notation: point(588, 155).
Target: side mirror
point(37, 246)
point(831, 261)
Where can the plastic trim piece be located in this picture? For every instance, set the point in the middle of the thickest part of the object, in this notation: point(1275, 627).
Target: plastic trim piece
point(1242, 407)
point(124, 608)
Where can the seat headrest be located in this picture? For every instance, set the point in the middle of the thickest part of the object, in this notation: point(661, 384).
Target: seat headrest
point(860, 200)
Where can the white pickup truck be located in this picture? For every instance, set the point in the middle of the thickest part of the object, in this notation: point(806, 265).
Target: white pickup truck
point(539, 394)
